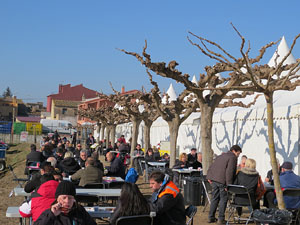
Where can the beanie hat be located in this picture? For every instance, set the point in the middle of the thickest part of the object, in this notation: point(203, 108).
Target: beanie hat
point(287, 165)
point(65, 188)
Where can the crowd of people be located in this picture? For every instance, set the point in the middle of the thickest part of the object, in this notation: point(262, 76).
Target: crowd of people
point(53, 200)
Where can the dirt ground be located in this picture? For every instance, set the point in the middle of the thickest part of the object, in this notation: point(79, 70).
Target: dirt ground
point(16, 157)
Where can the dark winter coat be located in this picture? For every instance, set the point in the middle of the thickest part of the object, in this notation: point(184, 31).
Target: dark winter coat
point(178, 164)
point(116, 168)
point(191, 159)
point(248, 178)
point(169, 207)
point(89, 175)
point(78, 215)
point(34, 156)
point(223, 169)
point(69, 166)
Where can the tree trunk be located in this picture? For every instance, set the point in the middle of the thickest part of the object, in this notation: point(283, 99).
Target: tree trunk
point(135, 132)
point(107, 131)
point(147, 127)
point(173, 130)
point(98, 131)
point(113, 134)
point(206, 136)
point(102, 131)
point(279, 195)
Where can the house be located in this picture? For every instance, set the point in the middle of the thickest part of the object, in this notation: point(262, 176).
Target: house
point(8, 108)
point(64, 104)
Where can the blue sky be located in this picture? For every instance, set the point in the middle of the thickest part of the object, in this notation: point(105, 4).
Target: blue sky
point(44, 43)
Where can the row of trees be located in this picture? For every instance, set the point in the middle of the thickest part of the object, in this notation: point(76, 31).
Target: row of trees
point(221, 85)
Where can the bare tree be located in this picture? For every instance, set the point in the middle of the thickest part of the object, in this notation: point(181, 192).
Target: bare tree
point(211, 79)
point(137, 110)
point(267, 80)
point(173, 112)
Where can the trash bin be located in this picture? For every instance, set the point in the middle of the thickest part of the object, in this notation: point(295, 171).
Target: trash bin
point(193, 190)
point(272, 216)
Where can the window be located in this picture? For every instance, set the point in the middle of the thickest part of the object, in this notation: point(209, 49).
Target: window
point(64, 110)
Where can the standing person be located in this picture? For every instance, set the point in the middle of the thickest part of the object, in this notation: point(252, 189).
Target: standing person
point(192, 156)
point(65, 210)
point(90, 141)
point(220, 174)
point(131, 203)
point(166, 201)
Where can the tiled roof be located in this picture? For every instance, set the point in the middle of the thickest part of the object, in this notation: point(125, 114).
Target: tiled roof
point(66, 103)
point(74, 93)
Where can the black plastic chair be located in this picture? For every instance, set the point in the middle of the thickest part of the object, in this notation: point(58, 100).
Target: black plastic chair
point(232, 191)
point(190, 212)
point(293, 192)
point(135, 220)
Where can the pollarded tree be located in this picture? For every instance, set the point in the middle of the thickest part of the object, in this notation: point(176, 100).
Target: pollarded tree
point(267, 80)
point(137, 110)
point(174, 112)
point(223, 73)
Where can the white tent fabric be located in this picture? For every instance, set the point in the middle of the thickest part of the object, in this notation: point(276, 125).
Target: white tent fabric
point(246, 127)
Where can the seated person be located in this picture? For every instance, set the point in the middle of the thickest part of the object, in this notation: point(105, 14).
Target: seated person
point(149, 156)
point(269, 179)
point(68, 166)
point(131, 203)
point(182, 163)
point(166, 158)
point(90, 175)
point(98, 163)
point(44, 196)
point(270, 195)
point(138, 151)
point(248, 177)
point(65, 210)
point(41, 199)
point(116, 168)
point(33, 158)
point(156, 153)
point(35, 181)
point(82, 158)
point(47, 151)
point(192, 156)
point(59, 155)
point(198, 163)
point(242, 163)
point(166, 200)
point(53, 161)
point(288, 179)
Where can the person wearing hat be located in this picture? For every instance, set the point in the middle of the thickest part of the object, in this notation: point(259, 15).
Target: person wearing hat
point(288, 179)
point(65, 210)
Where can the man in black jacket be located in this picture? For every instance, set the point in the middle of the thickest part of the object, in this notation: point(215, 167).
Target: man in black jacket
point(220, 174)
point(116, 168)
point(33, 158)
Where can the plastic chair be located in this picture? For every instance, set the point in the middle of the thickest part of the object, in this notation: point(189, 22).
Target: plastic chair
point(293, 192)
point(190, 212)
point(234, 190)
point(135, 220)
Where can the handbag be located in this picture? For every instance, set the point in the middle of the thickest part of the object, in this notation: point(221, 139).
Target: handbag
point(260, 190)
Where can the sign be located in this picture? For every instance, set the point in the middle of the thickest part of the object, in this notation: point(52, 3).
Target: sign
point(24, 136)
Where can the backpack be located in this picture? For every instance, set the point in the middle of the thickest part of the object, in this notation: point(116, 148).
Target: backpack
point(131, 176)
